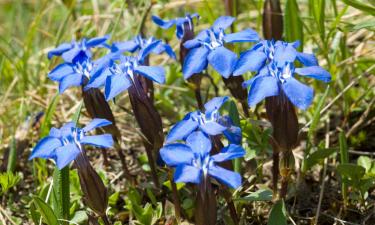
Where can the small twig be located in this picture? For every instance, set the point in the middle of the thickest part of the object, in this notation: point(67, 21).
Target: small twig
point(361, 120)
point(323, 177)
point(339, 220)
point(354, 81)
point(7, 216)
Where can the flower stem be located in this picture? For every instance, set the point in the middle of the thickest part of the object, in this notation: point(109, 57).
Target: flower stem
point(176, 200)
point(105, 220)
point(275, 170)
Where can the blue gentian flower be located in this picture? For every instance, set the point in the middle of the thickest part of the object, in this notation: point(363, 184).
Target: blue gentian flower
point(194, 163)
point(64, 144)
point(118, 75)
point(208, 48)
point(274, 79)
point(73, 51)
point(179, 22)
point(72, 74)
point(210, 122)
point(269, 50)
point(138, 43)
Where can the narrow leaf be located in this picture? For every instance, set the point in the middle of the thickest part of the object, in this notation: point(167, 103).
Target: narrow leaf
point(45, 211)
point(278, 214)
point(292, 23)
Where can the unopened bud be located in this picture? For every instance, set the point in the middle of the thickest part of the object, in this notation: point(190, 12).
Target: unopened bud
point(92, 186)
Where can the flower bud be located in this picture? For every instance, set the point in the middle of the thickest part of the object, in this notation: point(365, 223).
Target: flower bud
point(92, 186)
point(272, 20)
point(282, 115)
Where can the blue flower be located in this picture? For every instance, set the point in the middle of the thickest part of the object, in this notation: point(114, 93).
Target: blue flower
point(118, 75)
point(139, 43)
point(64, 144)
point(73, 51)
point(194, 163)
point(210, 122)
point(274, 79)
point(208, 48)
point(179, 22)
point(269, 50)
point(72, 74)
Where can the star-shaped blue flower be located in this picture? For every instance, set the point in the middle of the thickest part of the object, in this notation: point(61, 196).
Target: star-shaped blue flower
point(64, 144)
point(274, 64)
point(194, 163)
point(210, 122)
point(273, 80)
point(138, 43)
point(118, 75)
point(72, 74)
point(269, 50)
point(73, 51)
point(179, 22)
point(208, 48)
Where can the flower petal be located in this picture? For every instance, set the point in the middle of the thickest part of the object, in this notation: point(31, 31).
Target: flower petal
point(45, 148)
point(284, 54)
point(93, 42)
point(233, 134)
point(145, 51)
point(222, 60)
point(223, 22)
point(199, 143)
point(193, 43)
point(116, 84)
point(187, 174)
point(247, 35)
point(262, 87)
point(71, 80)
point(66, 154)
point(54, 132)
point(154, 73)
point(307, 59)
point(98, 79)
point(59, 50)
point(181, 130)
point(61, 71)
point(175, 154)
point(299, 94)
point(315, 72)
point(165, 24)
point(195, 61)
point(125, 46)
point(251, 60)
point(212, 128)
point(95, 123)
point(102, 140)
point(69, 55)
point(215, 103)
point(230, 152)
point(229, 178)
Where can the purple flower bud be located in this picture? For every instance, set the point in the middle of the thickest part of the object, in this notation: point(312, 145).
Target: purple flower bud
point(94, 191)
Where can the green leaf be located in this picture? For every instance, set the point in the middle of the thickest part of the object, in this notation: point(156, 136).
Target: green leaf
point(259, 195)
point(351, 171)
point(79, 217)
point(319, 15)
point(316, 116)
point(7, 181)
point(278, 214)
point(45, 211)
point(361, 6)
point(292, 23)
point(365, 162)
point(343, 148)
point(77, 113)
point(368, 24)
point(46, 125)
point(317, 156)
point(61, 188)
point(12, 156)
